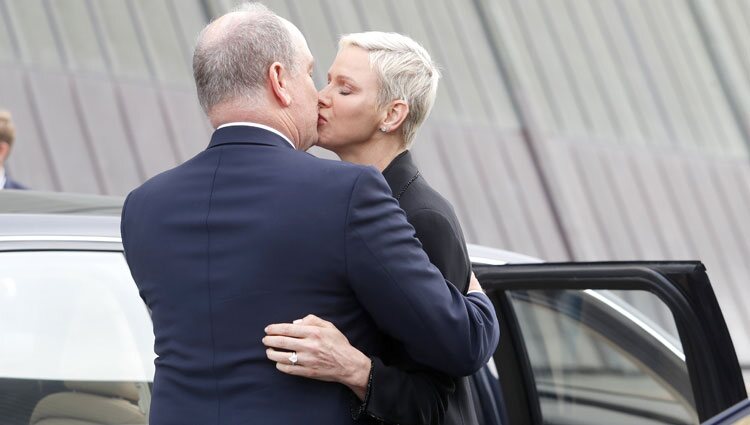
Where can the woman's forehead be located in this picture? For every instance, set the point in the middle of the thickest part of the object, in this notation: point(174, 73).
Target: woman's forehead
point(353, 63)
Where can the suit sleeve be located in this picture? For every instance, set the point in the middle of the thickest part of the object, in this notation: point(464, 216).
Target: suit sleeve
point(444, 247)
point(406, 395)
point(123, 224)
point(404, 293)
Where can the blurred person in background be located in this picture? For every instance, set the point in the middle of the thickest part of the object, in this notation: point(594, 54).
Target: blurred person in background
point(381, 87)
point(7, 136)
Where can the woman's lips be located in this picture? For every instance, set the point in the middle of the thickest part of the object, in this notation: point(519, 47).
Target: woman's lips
point(321, 120)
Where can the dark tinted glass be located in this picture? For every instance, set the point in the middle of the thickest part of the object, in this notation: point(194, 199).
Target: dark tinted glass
point(76, 344)
point(596, 359)
point(31, 401)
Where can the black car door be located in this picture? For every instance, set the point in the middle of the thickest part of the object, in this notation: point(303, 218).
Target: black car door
point(738, 414)
point(614, 343)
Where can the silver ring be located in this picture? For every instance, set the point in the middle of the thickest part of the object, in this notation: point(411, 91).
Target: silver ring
point(293, 358)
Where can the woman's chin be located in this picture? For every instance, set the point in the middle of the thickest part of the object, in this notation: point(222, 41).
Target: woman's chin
point(325, 143)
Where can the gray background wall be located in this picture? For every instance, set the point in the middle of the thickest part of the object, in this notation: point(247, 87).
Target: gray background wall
point(564, 129)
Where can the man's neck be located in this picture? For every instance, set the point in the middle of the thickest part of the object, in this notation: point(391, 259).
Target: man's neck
point(229, 113)
point(263, 126)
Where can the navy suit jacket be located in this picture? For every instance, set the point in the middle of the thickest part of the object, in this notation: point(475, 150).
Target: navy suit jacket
point(12, 184)
point(251, 232)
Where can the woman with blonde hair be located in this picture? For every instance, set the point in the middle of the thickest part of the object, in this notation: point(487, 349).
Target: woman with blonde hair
point(381, 87)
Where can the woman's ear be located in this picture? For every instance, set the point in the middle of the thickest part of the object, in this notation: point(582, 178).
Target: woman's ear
point(395, 116)
point(278, 78)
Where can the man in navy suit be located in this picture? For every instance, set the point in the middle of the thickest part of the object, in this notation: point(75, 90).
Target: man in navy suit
point(253, 230)
point(7, 136)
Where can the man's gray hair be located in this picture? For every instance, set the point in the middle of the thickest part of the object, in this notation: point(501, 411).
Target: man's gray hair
point(232, 62)
point(405, 71)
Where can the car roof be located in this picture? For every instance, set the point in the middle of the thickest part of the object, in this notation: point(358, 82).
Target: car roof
point(34, 202)
point(32, 213)
point(480, 254)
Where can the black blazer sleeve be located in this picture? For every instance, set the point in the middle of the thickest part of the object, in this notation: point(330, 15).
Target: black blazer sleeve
point(403, 395)
point(444, 245)
point(398, 396)
point(405, 295)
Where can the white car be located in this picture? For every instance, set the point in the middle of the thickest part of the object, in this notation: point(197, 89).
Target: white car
point(581, 343)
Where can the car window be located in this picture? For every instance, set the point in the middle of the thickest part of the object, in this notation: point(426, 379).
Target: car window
point(594, 356)
point(653, 309)
point(75, 338)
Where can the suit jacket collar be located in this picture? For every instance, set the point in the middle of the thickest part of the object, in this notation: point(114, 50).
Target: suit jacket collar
point(247, 135)
point(400, 173)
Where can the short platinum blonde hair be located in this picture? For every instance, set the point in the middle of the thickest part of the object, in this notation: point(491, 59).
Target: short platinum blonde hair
point(405, 71)
point(232, 62)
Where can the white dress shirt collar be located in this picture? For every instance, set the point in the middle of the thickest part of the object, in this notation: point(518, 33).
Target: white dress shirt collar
point(2, 178)
point(264, 127)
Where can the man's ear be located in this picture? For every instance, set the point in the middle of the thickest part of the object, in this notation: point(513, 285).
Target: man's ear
point(395, 115)
point(278, 77)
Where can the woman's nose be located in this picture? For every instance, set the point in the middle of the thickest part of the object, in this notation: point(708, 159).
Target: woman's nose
point(323, 98)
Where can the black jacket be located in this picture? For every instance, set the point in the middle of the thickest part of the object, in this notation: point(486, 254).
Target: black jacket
point(402, 391)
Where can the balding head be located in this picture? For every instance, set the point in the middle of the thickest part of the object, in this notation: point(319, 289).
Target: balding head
point(234, 53)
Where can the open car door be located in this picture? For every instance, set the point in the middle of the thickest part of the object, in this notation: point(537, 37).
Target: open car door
point(611, 343)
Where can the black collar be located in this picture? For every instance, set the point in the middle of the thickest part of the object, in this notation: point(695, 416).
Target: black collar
point(244, 134)
point(401, 173)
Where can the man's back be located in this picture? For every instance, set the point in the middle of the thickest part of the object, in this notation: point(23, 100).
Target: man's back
point(226, 248)
point(251, 232)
